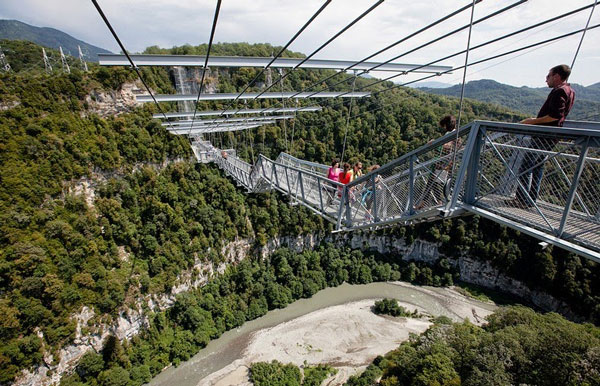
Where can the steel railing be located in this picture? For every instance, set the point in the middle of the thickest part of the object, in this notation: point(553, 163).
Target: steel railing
point(541, 180)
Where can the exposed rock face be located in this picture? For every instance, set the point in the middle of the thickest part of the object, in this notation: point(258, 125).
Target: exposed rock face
point(113, 103)
point(131, 321)
point(9, 105)
point(483, 274)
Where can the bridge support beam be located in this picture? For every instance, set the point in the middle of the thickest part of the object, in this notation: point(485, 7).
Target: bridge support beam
point(574, 184)
point(543, 236)
point(473, 166)
point(463, 165)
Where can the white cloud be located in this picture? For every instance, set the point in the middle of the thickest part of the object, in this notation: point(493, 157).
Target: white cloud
point(142, 23)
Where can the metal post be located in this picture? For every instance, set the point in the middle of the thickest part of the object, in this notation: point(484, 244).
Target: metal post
point(287, 178)
point(463, 167)
point(411, 184)
point(83, 63)
point(342, 199)
point(272, 172)
point(374, 190)
point(276, 176)
point(473, 168)
point(47, 65)
point(63, 60)
point(301, 182)
point(320, 194)
point(348, 208)
point(262, 166)
point(574, 185)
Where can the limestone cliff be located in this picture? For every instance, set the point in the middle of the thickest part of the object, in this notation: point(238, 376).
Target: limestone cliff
point(132, 320)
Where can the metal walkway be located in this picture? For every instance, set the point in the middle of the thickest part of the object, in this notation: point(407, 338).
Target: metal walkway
point(496, 170)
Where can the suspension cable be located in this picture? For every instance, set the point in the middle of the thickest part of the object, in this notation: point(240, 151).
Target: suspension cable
point(251, 139)
point(413, 34)
point(437, 39)
point(348, 122)
point(362, 15)
point(205, 68)
point(365, 13)
point(483, 44)
point(496, 13)
point(462, 89)
point(280, 70)
point(294, 128)
point(396, 43)
point(135, 68)
point(404, 39)
point(462, 94)
point(583, 35)
point(455, 54)
point(312, 18)
point(547, 41)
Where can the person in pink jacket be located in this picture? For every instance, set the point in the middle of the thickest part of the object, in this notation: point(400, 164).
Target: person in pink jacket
point(334, 171)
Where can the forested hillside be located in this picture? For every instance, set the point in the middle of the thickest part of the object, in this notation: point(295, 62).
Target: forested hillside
point(516, 347)
point(156, 212)
point(57, 253)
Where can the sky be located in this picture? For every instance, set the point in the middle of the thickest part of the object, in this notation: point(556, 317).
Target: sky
point(168, 23)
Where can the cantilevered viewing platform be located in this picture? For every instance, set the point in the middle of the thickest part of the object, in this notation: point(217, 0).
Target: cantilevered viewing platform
point(250, 95)
point(268, 110)
point(207, 129)
point(262, 62)
point(484, 174)
point(204, 122)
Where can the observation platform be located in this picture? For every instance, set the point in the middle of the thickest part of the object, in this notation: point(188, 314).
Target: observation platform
point(262, 62)
point(251, 95)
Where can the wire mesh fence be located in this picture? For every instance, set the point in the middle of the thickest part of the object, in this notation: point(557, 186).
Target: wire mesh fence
point(421, 181)
point(544, 180)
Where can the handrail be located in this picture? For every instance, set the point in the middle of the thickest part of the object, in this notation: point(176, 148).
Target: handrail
point(421, 150)
point(335, 183)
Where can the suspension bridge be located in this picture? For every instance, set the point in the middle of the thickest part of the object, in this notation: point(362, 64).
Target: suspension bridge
point(477, 169)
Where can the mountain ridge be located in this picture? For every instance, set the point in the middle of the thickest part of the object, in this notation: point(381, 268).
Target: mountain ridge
point(525, 99)
point(48, 37)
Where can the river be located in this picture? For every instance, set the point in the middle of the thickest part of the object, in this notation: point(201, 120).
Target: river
point(231, 345)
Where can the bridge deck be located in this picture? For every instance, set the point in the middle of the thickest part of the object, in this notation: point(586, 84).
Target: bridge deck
point(578, 225)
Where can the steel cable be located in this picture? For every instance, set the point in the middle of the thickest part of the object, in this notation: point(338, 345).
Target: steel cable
point(312, 18)
point(135, 68)
point(205, 68)
point(556, 38)
point(348, 26)
point(583, 35)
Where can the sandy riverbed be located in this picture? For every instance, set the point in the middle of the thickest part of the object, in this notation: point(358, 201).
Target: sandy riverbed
point(347, 337)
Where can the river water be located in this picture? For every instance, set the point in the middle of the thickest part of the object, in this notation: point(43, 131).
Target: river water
point(230, 346)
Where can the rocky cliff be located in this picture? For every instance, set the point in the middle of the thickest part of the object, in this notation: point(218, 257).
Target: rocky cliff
point(132, 320)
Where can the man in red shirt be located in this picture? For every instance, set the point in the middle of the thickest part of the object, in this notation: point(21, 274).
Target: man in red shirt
point(553, 113)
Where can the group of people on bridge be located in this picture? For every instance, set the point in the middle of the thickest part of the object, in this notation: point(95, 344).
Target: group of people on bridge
point(553, 113)
point(348, 173)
